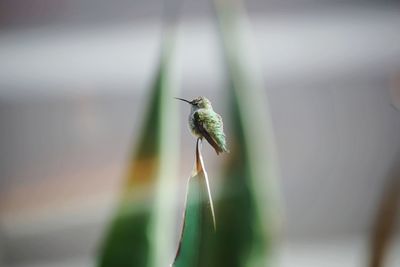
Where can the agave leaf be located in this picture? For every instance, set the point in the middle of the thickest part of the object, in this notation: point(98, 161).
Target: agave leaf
point(145, 206)
point(249, 195)
point(198, 219)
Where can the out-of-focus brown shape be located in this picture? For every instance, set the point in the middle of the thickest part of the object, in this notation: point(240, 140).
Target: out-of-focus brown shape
point(385, 223)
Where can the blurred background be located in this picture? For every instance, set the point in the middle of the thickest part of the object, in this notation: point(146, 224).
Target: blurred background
point(74, 79)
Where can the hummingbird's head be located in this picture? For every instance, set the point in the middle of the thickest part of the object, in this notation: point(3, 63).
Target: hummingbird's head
point(201, 102)
point(198, 102)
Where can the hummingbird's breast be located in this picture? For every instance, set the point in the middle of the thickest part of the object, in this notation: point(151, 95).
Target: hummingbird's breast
point(192, 127)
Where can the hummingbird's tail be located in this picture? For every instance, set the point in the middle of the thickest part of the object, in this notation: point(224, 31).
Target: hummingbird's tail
point(219, 149)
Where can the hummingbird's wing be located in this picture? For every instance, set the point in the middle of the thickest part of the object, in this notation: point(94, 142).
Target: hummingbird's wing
point(203, 122)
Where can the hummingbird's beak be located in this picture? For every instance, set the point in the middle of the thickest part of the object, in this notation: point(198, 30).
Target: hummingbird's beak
point(183, 100)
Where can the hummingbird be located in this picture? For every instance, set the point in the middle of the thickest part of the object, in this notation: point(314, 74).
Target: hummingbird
point(204, 122)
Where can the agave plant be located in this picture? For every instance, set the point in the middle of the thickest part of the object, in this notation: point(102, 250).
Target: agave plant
point(242, 231)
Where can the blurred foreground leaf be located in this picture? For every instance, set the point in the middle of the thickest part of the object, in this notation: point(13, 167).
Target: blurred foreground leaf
point(141, 232)
point(248, 210)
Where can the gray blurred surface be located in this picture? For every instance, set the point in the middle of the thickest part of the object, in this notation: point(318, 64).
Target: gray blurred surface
point(17, 14)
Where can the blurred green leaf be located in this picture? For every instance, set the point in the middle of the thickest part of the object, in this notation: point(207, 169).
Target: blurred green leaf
point(248, 210)
point(145, 209)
